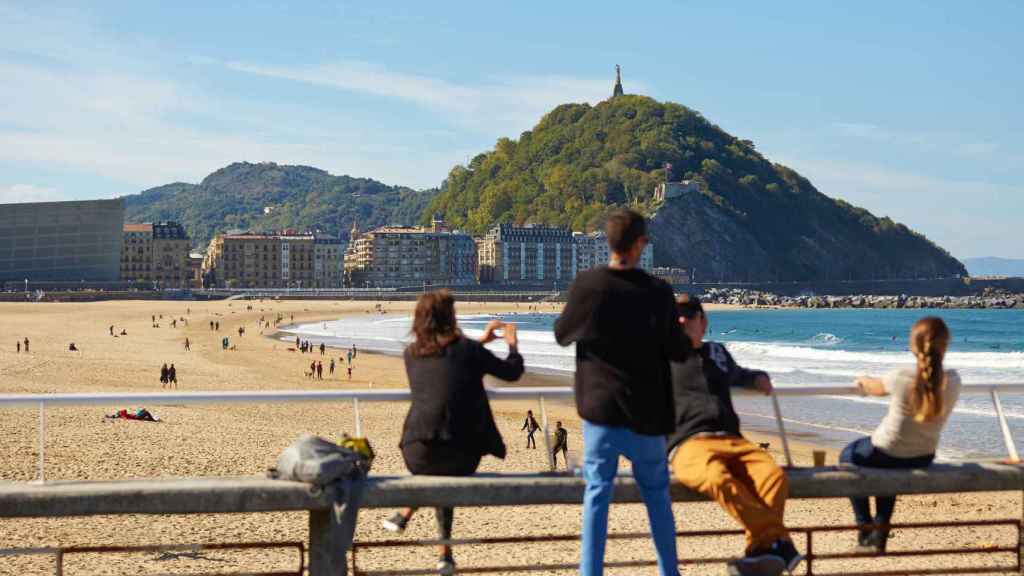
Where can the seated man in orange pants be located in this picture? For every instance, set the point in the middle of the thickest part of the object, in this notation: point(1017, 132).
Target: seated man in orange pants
point(711, 457)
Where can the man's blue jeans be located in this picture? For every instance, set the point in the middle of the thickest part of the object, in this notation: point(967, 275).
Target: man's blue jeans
point(602, 446)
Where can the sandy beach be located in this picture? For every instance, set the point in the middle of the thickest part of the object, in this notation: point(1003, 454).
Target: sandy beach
point(215, 440)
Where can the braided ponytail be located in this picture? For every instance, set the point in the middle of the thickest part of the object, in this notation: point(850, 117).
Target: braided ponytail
point(929, 339)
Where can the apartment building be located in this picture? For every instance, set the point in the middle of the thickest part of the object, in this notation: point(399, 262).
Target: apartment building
point(274, 260)
point(157, 254)
point(410, 256)
point(527, 255)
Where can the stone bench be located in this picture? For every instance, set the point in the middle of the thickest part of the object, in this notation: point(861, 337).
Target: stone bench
point(258, 494)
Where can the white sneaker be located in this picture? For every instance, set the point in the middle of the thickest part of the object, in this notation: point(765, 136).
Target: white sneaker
point(446, 567)
point(395, 524)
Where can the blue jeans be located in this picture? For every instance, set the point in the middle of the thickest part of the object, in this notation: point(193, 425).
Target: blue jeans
point(862, 452)
point(602, 446)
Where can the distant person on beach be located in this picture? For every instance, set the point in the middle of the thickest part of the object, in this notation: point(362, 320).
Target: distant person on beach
point(312, 369)
point(217, 325)
point(710, 456)
point(319, 370)
point(349, 357)
point(922, 400)
point(531, 427)
point(561, 445)
point(19, 346)
point(354, 352)
point(172, 376)
point(211, 324)
point(625, 326)
point(72, 347)
point(111, 329)
point(26, 345)
point(298, 343)
point(124, 332)
point(323, 349)
point(450, 426)
point(163, 376)
point(331, 369)
point(350, 373)
point(188, 345)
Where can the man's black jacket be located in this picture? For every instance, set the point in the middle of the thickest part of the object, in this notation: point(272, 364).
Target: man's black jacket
point(701, 387)
point(626, 329)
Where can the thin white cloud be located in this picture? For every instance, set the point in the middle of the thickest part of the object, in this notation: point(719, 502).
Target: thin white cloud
point(21, 193)
point(500, 105)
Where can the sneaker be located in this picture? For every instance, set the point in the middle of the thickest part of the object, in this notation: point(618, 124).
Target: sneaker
point(446, 566)
point(872, 541)
point(760, 563)
point(788, 552)
point(395, 524)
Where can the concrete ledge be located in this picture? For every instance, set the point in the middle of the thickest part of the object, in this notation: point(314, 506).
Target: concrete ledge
point(257, 494)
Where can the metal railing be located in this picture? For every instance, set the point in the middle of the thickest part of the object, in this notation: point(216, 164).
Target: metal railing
point(42, 401)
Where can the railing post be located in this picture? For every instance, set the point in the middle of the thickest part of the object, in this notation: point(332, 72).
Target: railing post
point(324, 560)
point(547, 441)
point(42, 441)
point(782, 429)
point(358, 420)
point(1011, 446)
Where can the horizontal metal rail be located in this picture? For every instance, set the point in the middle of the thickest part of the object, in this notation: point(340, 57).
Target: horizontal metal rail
point(395, 395)
point(42, 401)
point(1012, 550)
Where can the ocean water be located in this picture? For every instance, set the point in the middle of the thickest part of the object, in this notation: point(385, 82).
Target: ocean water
point(797, 347)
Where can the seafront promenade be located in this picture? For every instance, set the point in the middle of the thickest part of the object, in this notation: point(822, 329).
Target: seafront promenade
point(232, 440)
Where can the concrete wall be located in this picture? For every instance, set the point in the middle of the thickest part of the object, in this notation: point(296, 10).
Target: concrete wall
point(61, 241)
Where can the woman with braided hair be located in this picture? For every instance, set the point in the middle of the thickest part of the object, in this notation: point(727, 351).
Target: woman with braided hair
point(922, 399)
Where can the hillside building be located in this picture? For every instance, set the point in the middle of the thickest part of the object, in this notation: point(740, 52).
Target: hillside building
point(61, 241)
point(156, 254)
point(275, 260)
point(410, 256)
point(670, 190)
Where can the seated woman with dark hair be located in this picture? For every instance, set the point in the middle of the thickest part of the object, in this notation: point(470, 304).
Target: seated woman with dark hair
point(450, 426)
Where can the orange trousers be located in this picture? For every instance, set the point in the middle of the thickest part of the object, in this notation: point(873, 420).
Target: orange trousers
point(744, 480)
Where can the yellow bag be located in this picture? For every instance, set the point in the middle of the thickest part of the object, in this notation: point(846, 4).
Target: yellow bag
point(360, 446)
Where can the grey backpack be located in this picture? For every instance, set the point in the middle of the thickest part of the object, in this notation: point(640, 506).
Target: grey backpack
point(317, 461)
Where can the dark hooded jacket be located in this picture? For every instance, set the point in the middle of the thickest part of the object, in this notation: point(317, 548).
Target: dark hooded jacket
point(703, 400)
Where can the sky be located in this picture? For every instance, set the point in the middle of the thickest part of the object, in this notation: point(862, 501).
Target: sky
point(909, 109)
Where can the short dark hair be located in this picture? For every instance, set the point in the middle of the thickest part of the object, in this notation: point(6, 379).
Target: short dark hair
point(689, 306)
point(624, 229)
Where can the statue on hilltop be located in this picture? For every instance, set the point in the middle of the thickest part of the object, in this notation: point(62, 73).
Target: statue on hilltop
point(617, 91)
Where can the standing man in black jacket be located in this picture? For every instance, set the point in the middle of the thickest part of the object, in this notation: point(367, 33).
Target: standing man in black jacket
point(624, 324)
point(713, 458)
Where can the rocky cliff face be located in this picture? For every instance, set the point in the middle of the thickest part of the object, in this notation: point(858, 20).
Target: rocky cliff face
point(693, 232)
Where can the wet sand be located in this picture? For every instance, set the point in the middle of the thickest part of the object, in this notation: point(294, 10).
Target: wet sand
point(245, 439)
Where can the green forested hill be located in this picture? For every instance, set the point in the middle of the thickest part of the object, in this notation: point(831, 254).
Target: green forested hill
point(299, 197)
point(582, 159)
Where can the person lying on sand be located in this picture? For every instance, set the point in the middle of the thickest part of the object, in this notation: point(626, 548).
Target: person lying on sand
point(140, 414)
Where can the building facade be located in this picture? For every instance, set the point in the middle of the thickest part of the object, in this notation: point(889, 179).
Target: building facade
point(278, 260)
point(528, 255)
point(61, 241)
point(408, 256)
point(601, 254)
point(156, 253)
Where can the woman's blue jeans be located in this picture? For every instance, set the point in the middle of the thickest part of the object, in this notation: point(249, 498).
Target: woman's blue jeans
point(862, 452)
point(602, 446)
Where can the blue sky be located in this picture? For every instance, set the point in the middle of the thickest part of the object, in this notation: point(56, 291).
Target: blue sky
point(910, 109)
